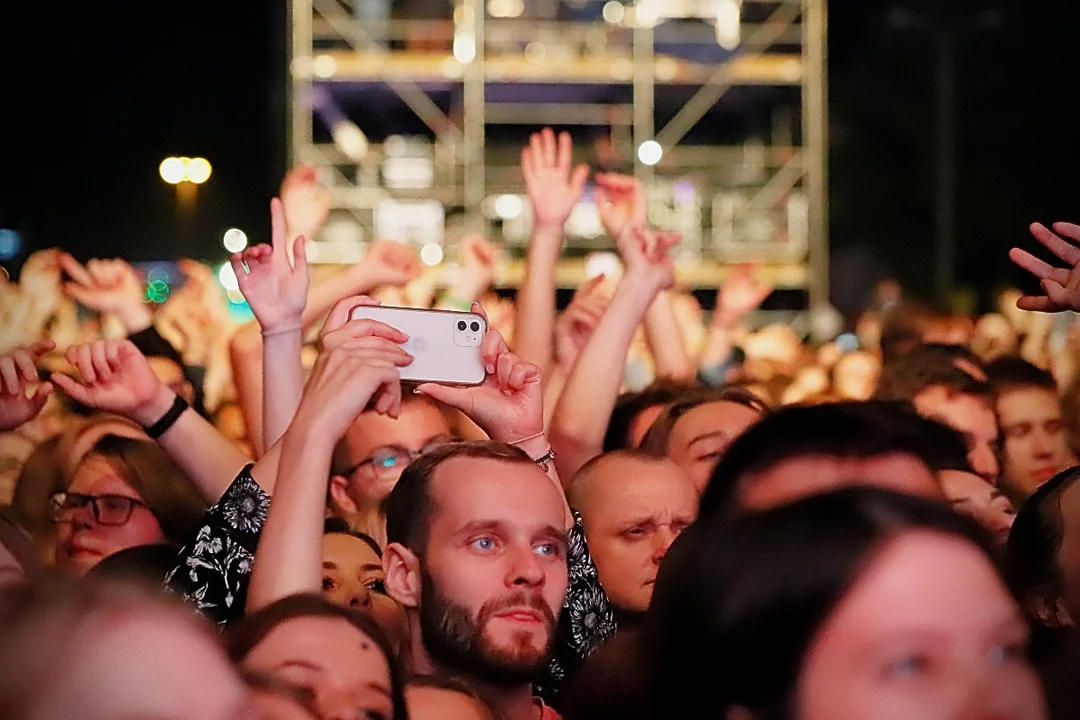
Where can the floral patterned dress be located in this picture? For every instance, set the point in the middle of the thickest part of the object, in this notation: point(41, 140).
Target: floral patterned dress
point(213, 574)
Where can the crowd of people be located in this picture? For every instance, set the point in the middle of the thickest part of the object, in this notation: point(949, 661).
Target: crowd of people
point(644, 510)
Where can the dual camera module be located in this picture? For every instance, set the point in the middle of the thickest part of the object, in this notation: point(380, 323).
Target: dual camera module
point(474, 326)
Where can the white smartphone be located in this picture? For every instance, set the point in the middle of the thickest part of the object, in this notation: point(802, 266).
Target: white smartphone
point(445, 345)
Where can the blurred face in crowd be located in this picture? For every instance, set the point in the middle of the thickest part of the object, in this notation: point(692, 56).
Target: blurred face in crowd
point(1035, 445)
point(632, 510)
point(855, 375)
point(973, 496)
point(352, 576)
point(494, 572)
point(171, 374)
point(928, 631)
point(971, 415)
point(144, 664)
point(812, 474)
point(432, 703)
point(11, 570)
point(229, 420)
point(377, 448)
point(89, 534)
point(345, 670)
point(1069, 553)
point(700, 437)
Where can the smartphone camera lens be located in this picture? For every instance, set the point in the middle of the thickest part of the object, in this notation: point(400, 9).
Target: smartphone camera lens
point(475, 327)
point(461, 325)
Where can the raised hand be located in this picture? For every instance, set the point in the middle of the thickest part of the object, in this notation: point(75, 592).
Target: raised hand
point(275, 288)
point(621, 202)
point(39, 279)
point(115, 377)
point(105, 286)
point(387, 263)
point(509, 404)
point(18, 373)
point(306, 204)
point(477, 266)
point(1061, 286)
point(552, 186)
point(741, 293)
point(646, 254)
point(575, 325)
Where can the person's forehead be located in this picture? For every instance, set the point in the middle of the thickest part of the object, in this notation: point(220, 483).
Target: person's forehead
point(418, 423)
point(928, 578)
point(343, 547)
point(519, 495)
point(811, 474)
point(626, 482)
point(1028, 399)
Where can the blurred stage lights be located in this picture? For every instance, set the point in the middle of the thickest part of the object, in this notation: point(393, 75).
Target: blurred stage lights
point(650, 152)
point(227, 278)
point(614, 12)
point(431, 254)
point(175, 170)
point(508, 207)
point(505, 8)
point(234, 240)
point(10, 243)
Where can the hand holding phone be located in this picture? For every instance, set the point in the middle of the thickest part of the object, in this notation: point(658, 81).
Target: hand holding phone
point(445, 345)
point(509, 404)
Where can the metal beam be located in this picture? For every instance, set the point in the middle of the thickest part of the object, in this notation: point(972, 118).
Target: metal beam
point(298, 128)
point(815, 103)
point(418, 101)
point(722, 80)
point(559, 114)
point(644, 93)
point(473, 150)
point(782, 182)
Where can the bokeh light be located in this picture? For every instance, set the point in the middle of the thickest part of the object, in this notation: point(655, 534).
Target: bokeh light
point(198, 170)
point(10, 243)
point(235, 240)
point(227, 277)
point(172, 170)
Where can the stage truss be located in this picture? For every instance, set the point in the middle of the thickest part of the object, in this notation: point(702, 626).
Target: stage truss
point(634, 77)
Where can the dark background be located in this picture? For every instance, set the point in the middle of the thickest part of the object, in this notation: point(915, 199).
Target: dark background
point(94, 95)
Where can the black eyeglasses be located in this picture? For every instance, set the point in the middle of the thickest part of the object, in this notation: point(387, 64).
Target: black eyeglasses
point(390, 460)
point(111, 510)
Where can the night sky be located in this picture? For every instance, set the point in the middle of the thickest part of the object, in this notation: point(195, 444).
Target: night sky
point(94, 96)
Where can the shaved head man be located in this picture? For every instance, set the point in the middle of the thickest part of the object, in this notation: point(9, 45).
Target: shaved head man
point(633, 505)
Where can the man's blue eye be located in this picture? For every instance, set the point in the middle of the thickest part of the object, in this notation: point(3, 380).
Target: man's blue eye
point(483, 543)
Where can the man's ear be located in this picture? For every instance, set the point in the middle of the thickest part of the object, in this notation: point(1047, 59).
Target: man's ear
point(339, 491)
point(402, 569)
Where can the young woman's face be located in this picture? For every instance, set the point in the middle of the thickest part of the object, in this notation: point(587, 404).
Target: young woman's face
point(343, 668)
point(701, 436)
point(83, 540)
point(928, 631)
point(353, 577)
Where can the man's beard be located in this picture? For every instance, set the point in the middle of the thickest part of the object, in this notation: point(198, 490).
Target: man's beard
point(456, 640)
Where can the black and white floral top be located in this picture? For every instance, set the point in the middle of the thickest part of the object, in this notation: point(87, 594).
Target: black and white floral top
point(213, 571)
point(213, 575)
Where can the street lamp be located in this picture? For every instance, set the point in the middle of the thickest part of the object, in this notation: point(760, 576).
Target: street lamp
point(176, 170)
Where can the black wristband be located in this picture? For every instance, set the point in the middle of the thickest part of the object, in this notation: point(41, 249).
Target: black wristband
point(168, 419)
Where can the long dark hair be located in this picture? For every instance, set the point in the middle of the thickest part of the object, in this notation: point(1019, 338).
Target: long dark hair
point(244, 636)
point(1031, 555)
point(738, 600)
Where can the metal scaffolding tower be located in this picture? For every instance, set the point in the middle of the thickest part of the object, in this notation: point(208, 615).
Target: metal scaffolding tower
point(417, 124)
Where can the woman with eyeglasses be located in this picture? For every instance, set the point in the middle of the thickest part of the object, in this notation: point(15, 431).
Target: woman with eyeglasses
point(124, 493)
